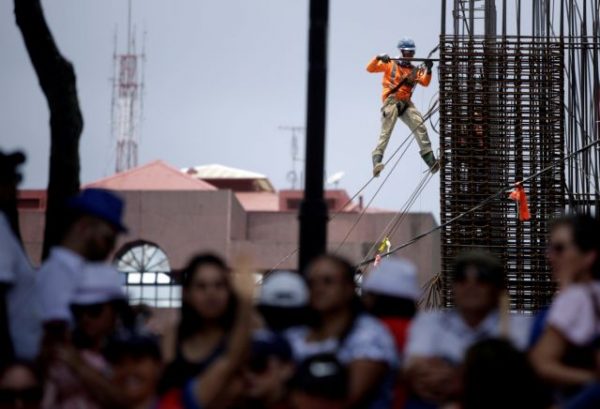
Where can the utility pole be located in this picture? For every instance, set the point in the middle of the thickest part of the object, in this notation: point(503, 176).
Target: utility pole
point(313, 209)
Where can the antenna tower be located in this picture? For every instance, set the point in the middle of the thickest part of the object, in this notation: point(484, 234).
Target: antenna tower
point(127, 99)
point(292, 175)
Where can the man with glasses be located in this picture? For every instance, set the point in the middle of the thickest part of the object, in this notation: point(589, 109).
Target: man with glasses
point(399, 80)
point(438, 340)
point(95, 223)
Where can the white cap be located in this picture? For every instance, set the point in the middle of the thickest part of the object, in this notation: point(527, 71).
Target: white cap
point(283, 289)
point(394, 277)
point(100, 283)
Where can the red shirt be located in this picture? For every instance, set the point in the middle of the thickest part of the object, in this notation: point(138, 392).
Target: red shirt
point(399, 330)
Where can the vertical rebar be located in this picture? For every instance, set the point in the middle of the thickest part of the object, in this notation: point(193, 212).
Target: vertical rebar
point(443, 24)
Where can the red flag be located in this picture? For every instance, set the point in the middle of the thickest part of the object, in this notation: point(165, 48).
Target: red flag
point(520, 197)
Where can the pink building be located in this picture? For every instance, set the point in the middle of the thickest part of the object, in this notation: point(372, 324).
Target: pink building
point(173, 214)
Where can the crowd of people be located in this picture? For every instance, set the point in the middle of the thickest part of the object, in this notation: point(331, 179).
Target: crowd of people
point(70, 339)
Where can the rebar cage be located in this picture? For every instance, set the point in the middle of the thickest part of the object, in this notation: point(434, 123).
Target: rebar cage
point(511, 105)
point(501, 120)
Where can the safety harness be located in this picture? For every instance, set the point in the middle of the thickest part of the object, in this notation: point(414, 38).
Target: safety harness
point(402, 105)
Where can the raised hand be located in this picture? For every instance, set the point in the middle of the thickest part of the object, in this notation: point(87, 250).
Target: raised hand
point(384, 58)
point(244, 283)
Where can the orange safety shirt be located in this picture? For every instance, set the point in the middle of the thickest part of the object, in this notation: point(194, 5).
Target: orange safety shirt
point(393, 73)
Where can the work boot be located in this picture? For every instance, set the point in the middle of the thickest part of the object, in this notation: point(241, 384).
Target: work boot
point(434, 164)
point(377, 165)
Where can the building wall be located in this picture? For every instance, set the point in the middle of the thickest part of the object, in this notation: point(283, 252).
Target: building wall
point(274, 236)
point(181, 223)
point(185, 222)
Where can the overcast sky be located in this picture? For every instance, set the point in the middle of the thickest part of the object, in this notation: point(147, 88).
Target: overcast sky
point(221, 77)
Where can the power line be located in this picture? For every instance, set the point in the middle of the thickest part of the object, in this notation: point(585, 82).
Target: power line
point(480, 205)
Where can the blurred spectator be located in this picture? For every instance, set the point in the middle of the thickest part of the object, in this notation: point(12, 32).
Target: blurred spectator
point(208, 311)
point(78, 375)
point(498, 376)
point(269, 372)
point(320, 382)
point(21, 386)
point(220, 383)
point(567, 351)
point(339, 327)
point(19, 325)
point(561, 273)
point(438, 340)
point(391, 292)
point(10, 178)
point(283, 300)
point(91, 234)
point(136, 365)
point(143, 314)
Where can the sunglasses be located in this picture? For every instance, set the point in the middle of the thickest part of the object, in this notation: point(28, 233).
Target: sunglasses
point(11, 396)
point(482, 276)
point(91, 310)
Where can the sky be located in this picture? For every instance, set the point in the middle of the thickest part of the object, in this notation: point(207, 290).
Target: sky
point(221, 77)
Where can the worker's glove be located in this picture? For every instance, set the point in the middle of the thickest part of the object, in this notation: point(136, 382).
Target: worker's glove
point(384, 58)
point(429, 65)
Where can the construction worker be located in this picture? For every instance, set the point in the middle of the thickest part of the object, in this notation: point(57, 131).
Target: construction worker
point(399, 80)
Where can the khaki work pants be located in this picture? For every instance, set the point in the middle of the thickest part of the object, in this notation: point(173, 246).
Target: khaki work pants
point(411, 117)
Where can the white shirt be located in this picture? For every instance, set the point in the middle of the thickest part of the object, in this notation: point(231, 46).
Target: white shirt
point(576, 313)
point(444, 334)
point(17, 272)
point(56, 283)
point(368, 339)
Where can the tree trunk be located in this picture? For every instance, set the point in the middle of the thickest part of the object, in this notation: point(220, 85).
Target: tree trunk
point(57, 80)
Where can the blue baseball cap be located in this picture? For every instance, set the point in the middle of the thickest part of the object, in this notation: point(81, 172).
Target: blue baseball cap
point(100, 203)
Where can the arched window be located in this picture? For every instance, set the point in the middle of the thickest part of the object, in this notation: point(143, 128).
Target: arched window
point(147, 275)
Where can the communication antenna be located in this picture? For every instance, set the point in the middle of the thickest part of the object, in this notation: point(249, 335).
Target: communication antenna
point(292, 175)
point(127, 99)
point(335, 179)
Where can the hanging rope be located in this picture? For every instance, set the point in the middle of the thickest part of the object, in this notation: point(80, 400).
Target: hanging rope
point(364, 210)
point(399, 217)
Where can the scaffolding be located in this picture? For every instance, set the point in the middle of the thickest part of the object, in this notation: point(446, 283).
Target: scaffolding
point(511, 105)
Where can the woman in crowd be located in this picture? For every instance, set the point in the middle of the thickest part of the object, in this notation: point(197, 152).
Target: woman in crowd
point(207, 313)
point(213, 335)
point(565, 355)
point(220, 384)
point(390, 292)
point(340, 327)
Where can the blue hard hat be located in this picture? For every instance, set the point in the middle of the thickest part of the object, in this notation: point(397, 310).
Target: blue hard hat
point(407, 44)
